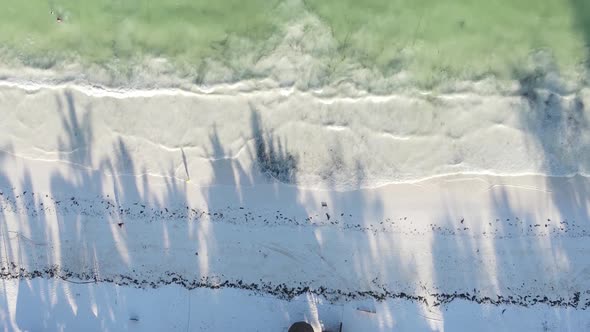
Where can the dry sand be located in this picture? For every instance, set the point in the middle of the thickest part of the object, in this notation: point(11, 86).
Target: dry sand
point(423, 199)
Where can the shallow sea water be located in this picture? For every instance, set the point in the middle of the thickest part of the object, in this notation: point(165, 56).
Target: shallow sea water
point(376, 45)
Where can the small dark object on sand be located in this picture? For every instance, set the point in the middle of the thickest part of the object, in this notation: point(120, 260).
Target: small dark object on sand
point(324, 204)
point(301, 327)
point(120, 224)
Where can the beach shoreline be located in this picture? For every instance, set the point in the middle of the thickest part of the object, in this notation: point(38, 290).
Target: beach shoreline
point(385, 166)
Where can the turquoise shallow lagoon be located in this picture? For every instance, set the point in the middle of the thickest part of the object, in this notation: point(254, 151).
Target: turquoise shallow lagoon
point(375, 44)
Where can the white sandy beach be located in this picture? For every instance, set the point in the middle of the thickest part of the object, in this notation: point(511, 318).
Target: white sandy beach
point(435, 212)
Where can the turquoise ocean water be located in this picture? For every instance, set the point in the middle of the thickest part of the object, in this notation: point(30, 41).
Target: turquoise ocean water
point(375, 44)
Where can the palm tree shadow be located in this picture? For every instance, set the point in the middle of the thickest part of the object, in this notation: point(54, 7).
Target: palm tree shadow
point(272, 158)
point(76, 146)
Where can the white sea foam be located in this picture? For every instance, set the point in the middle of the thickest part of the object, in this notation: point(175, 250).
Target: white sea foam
point(351, 141)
